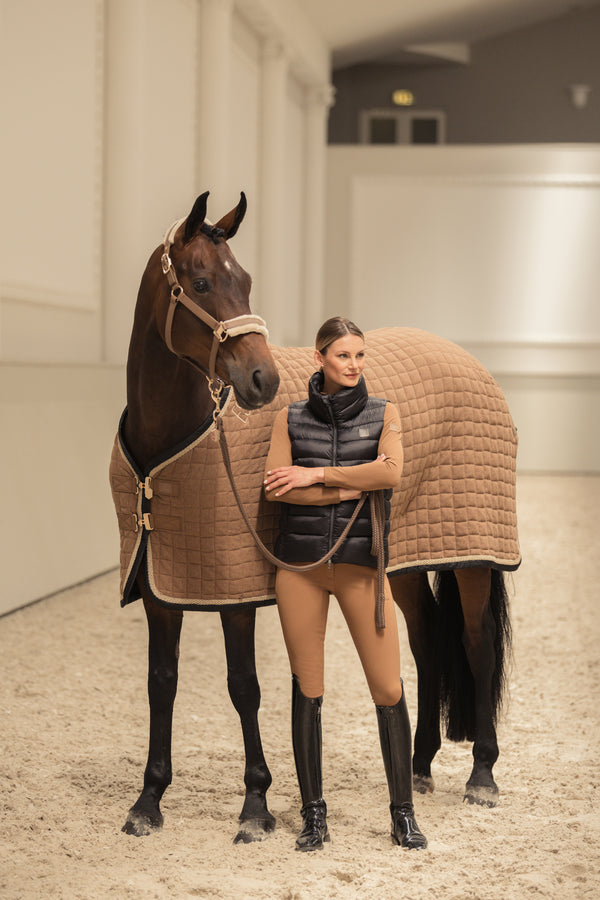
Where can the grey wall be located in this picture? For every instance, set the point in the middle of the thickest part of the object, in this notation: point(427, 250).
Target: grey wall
point(513, 91)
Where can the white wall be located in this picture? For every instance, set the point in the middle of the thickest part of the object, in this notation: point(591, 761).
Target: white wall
point(116, 120)
point(58, 522)
point(51, 181)
point(493, 248)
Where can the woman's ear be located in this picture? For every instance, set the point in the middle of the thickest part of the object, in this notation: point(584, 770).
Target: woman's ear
point(318, 359)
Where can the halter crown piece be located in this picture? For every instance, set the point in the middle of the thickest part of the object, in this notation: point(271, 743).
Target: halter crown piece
point(221, 330)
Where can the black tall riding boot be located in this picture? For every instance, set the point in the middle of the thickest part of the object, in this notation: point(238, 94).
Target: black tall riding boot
point(306, 740)
point(396, 745)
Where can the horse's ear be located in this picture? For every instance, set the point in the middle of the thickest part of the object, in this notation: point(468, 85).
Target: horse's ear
point(232, 221)
point(195, 220)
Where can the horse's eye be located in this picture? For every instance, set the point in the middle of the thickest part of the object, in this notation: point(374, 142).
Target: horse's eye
point(201, 285)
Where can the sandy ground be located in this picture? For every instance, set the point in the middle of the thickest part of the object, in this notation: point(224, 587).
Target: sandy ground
point(73, 731)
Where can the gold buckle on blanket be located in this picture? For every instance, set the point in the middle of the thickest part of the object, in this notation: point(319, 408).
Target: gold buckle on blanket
point(145, 487)
point(144, 521)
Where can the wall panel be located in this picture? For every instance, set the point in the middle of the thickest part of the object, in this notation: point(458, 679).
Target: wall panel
point(51, 175)
point(492, 248)
point(58, 525)
point(477, 257)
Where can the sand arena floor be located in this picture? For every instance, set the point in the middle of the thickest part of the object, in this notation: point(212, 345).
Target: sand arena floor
point(73, 731)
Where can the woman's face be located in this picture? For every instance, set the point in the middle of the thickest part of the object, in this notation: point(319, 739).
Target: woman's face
point(342, 363)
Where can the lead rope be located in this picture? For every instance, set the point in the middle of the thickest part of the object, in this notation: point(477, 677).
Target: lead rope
point(377, 513)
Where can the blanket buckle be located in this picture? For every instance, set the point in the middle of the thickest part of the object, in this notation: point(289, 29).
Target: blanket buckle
point(143, 521)
point(145, 487)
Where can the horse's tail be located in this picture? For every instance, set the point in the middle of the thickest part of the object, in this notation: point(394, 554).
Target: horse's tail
point(457, 689)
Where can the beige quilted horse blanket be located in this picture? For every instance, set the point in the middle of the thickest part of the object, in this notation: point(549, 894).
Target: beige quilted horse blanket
point(182, 531)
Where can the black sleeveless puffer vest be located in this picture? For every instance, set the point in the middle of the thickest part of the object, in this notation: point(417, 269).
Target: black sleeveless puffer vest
point(341, 429)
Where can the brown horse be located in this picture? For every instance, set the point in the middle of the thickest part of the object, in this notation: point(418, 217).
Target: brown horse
point(193, 320)
point(167, 399)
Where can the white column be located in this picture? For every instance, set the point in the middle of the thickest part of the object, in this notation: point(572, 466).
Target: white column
point(213, 135)
point(271, 293)
point(319, 102)
point(124, 172)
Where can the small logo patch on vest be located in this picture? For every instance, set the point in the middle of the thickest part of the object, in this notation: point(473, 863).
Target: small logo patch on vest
point(394, 427)
point(363, 431)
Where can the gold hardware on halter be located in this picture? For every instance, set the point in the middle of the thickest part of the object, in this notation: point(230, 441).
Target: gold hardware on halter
point(221, 333)
point(165, 262)
point(215, 386)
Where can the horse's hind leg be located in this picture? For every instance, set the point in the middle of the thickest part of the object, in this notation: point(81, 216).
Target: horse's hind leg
point(164, 629)
point(238, 629)
point(413, 595)
point(478, 640)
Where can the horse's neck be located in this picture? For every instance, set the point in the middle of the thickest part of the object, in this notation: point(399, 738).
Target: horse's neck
point(166, 398)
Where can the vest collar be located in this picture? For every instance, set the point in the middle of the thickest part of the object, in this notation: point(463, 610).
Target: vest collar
point(343, 406)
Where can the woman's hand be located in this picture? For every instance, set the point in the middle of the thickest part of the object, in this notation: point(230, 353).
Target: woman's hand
point(286, 478)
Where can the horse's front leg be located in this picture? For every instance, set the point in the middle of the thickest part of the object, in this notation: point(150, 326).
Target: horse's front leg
point(164, 629)
point(478, 640)
point(238, 629)
point(413, 595)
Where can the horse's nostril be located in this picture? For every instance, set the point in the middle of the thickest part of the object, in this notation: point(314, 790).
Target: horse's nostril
point(258, 380)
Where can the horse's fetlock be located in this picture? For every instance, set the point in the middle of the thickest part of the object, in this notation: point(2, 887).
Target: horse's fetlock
point(244, 697)
point(156, 780)
point(257, 779)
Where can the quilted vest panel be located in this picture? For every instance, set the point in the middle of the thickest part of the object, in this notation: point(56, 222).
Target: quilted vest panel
point(308, 532)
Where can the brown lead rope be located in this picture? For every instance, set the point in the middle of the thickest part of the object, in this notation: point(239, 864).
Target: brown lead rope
point(377, 549)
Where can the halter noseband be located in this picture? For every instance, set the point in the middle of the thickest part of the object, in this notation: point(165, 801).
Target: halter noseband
point(221, 330)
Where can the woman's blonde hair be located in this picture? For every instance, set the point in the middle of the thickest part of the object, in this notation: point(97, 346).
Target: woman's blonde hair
point(333, 329)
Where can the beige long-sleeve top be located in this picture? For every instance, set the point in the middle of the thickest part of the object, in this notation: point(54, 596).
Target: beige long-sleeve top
point(371, 476)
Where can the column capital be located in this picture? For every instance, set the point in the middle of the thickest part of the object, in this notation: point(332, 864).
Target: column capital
point(321, 95)
point(274, 48)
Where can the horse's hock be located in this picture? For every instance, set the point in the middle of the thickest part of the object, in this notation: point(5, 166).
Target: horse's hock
point(180, 525)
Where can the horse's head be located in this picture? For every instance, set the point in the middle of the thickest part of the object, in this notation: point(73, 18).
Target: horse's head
point(208, 320)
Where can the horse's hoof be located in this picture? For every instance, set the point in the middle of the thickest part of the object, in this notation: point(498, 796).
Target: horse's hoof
point(481, 795)
point(423, 784)
point(252, 830)
point(141, 824)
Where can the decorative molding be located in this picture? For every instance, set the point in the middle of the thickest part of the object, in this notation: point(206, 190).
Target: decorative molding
point(532, 180)
point(321, 96)
point(275, 49)
point(583, 377)
point(553, 343)
point(531, 358)
point(53, 298)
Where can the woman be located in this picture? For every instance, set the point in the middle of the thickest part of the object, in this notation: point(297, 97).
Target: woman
point(325, 451)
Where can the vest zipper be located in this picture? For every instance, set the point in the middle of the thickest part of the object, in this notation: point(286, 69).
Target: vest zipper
point(334, 462)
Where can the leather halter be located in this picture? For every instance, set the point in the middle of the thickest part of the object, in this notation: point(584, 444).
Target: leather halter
point(221, 330)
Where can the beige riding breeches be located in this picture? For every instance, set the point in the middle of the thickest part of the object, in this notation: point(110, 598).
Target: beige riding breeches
point(303, 604)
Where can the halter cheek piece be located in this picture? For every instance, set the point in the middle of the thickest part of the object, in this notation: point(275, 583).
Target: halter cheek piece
point(221, 330)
